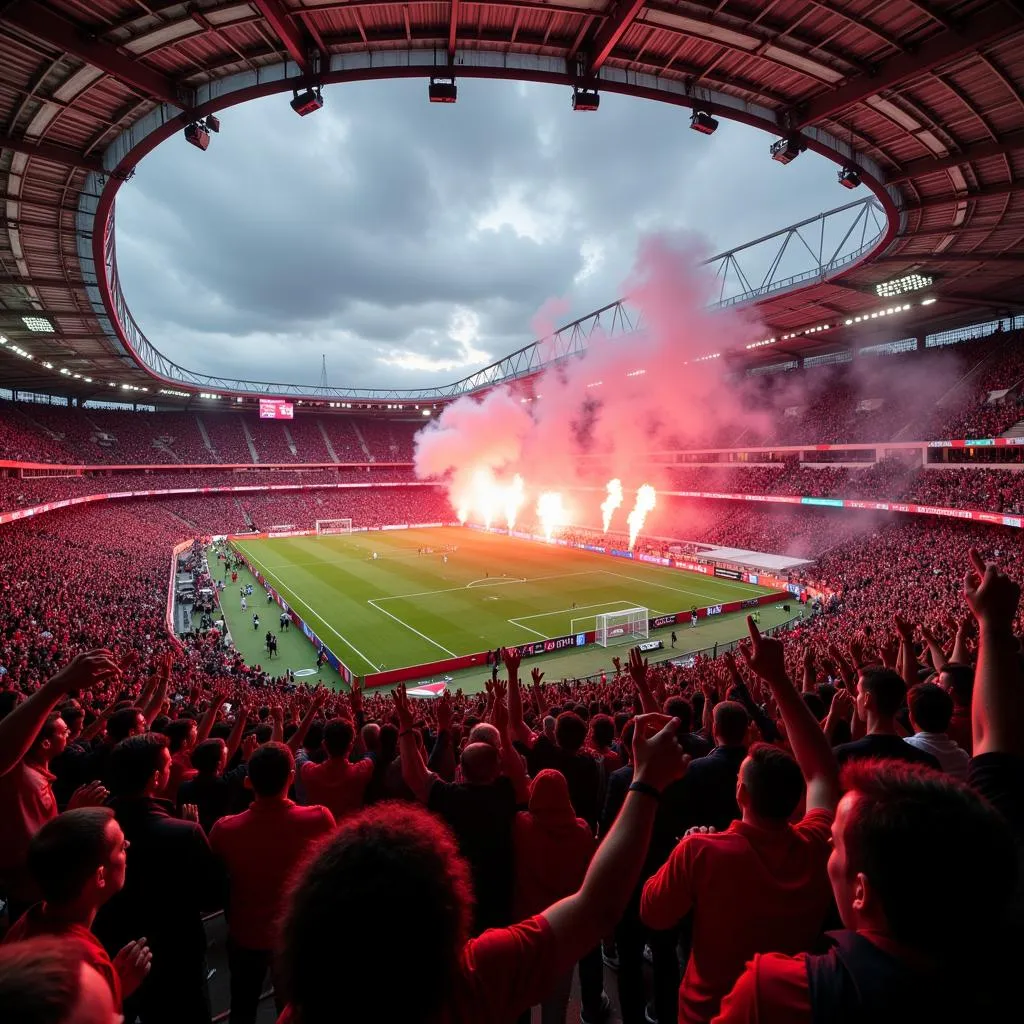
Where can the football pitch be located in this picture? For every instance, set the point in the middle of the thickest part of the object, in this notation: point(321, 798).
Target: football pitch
point(408, 608)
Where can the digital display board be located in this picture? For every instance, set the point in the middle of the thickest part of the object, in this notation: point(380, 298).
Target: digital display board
point(275, 409)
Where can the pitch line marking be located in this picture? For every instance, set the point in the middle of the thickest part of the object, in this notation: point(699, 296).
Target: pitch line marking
point(579, 607)
point(491, 581)
point(663, 586)
point(529, 629)
point(413, 629)
point(451, 590)
point(309, 608)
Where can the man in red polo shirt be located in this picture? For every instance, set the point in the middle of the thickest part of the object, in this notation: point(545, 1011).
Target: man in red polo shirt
point(763, 883)
point(77, 861)
point(923, 870)
point(260, 849)
point(338, 784)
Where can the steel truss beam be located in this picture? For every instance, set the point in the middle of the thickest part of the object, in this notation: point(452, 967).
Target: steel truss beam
point(620, 16)
point(985, 192)
point(44, 24)
point(987, 27)
point(979, 151)
point(54, 153)
point(296, 41)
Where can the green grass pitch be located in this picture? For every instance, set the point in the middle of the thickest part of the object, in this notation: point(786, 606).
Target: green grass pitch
point(404, 608)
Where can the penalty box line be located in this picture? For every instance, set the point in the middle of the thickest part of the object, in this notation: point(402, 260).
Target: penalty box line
point(412, 629)
point(518, 621)
point(309, 608)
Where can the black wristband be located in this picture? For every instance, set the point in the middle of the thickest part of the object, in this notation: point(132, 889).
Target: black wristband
point(646, 788)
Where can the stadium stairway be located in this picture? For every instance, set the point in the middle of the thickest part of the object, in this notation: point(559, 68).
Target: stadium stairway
point(252, 444)
point(292, 447)
point(327, 441)
point(206, 437)
point(362, 442)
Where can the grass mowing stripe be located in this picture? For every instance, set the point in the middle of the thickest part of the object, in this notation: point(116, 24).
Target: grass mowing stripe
point(413, 628)
point(294, 599)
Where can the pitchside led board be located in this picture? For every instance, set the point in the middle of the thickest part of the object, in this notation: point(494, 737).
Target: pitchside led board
point(275, 409)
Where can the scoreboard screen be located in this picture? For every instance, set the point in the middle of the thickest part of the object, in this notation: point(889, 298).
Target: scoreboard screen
point(275, 409)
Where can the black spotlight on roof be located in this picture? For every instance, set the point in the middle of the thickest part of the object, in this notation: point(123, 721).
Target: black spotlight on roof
point(197, 134)
point(443, 90)
point(849, 177)
point(212, 123)
point(786, 150)
point(701, 121)
point(307, 101)
point(585, 99)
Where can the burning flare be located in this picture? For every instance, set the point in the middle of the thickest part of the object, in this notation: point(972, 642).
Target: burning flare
point(551, 513)
point(513, 499)
point(645, 501)
point(611, 503)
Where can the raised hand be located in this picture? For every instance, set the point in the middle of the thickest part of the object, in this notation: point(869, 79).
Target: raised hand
point(402, 710)
point(85, 671)
point(700, 830)
point(842, 705)
point(657, 756)
point(512, 659)
point(638, 668)
point(444, 712)
point(764, 654)
point(249, 745)
point(537, 676)
point(355, 696)
point(904, 628)
point(991, 595)
point(190, 812)
point(132, 964)
point(92, 794)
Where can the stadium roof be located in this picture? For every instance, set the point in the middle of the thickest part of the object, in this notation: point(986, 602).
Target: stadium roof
point(925, 98)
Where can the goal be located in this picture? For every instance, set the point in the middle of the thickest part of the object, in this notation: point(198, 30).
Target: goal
point(620, 627)
point(326, 526)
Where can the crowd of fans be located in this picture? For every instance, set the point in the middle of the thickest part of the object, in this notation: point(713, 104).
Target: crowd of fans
point(36, 432)
point(716, 819)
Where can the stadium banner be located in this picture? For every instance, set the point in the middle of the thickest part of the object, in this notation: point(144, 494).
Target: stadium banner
point(621, 554)
point(553, 644)
point(433, 668)
point(728, 574)
point(650, 645)
point(664, 620)
point(654, 559)
point(682, 563)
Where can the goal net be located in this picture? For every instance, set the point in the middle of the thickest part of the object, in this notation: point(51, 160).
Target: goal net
point(620, 627)
point(326, 526)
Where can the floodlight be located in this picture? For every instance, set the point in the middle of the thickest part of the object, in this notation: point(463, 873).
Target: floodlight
point(38, 323)
point(442, 90)
point(786, 150)
point(585, 99)
point(701, 121)
point(212, 123)
point(197, 134)
point(849, 177)
point(902, 285)
point(307, 101)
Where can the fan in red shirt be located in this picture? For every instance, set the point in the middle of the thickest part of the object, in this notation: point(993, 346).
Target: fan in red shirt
point(391, 880)
point(338, 784)
point(553, 849)
point(77, 861)
point(260, 849)
point(762, 884)
point(923, 869)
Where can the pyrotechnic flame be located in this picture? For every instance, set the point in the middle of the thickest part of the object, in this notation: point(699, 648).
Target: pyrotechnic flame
point(645, 500)
point(551, 513)
point(611, 503)
point(513, 500)
point(483, 496)
point(463, 515)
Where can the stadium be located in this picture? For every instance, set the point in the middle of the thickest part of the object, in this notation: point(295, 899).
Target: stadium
point(742, 545)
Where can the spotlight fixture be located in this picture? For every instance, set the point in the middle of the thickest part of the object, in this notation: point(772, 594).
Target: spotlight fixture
point(786, 150)
point(212, 123)
point(307, 102)
point(902, 285)
point(849, 177)
point(443, 90)
point(701, 121)
point(197, 134)
point(585, 99)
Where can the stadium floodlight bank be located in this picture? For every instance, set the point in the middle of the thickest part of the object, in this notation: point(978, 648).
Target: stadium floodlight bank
point(620, 627)
point(329, 526)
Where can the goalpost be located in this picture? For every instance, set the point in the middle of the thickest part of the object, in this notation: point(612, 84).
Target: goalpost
point(329, 526)
point(620, 627)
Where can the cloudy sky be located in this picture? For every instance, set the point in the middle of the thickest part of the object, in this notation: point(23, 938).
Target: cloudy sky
point(414, 243)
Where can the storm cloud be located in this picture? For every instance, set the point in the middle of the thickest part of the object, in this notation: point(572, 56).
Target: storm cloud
point(412, 244)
